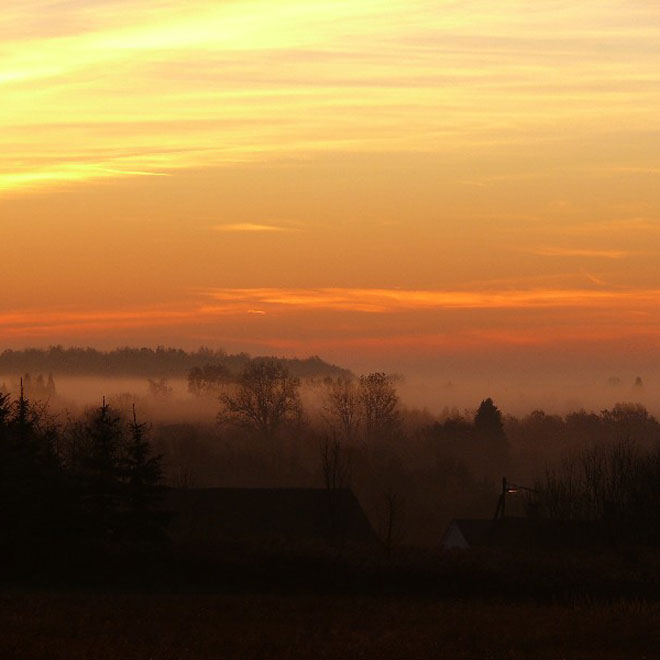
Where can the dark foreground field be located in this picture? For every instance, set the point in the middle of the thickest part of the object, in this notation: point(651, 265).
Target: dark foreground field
point(73, 626)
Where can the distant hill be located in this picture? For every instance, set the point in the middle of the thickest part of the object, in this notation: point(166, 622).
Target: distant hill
point(147, 362)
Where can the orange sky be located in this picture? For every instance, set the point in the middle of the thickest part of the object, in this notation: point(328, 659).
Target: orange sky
point(344, 178)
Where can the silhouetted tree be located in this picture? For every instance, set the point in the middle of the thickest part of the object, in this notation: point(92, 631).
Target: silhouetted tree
point(33, 509)
point(141, 474)
point(141, 470)
point(5, 415)
point(101, 462)
point(379, 402)
point(615, 485)
point(335, 463)
point(488, 420)
point(23, 421)
point(266, 401)
point(493, 444)
point(342, 409)
point(630, 421)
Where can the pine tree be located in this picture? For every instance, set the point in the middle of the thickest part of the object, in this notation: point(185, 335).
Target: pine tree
point(32, 488)
point(5, 415)
point(490, 433)
point(102, 467)
point(488, 420)
point(22, 424)
point(142, 471)
point(141, 474)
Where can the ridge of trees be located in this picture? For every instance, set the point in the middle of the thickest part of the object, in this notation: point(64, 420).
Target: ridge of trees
point(161, 361)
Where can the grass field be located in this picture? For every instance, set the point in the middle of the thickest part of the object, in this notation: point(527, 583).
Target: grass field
point(76, 626)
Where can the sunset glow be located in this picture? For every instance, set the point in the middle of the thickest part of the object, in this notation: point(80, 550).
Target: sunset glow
point(302, 177)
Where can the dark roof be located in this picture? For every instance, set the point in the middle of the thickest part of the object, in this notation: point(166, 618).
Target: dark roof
point(524, 532)
point(476, 531)
point(273, 517)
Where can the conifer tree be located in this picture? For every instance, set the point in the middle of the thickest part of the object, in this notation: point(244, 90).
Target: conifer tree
point(142, 471)
point(102, 466)
point(5, 415)
point(22, 421)
point(32, 487)
point(490, 433)
point(141, 474)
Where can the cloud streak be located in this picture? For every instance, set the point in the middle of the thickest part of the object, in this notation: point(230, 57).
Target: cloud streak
point(387, 301)
point(249, 228)
point(581, 253)
point(309, 320)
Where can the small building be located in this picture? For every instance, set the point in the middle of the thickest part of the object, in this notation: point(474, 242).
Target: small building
point(522, 533)
point(466, 533)
point(299, 520)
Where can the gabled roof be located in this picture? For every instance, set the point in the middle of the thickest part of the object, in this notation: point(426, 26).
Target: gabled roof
point(258, 517)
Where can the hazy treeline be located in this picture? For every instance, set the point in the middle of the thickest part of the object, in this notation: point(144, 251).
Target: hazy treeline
point(161, 361)
point(39, 386)
point(412, 470)
point(532, 442)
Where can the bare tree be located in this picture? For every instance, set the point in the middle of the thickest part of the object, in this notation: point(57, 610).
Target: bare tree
point(614, 484)
point(342, 409)
point(379, 403)
point(335, 463)
point(392, 532)
point(266, 400)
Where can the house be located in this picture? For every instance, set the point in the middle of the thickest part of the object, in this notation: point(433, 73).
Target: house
point(466, 533)
point(521, 533)
point(209, 520)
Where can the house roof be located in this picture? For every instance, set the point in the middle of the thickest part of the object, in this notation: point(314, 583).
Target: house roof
point(475, 530)
point(520, 532)
point(283, 517)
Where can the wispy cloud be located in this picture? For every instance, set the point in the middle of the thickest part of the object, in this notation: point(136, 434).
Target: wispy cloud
point(616, 228)
point(250, 228)
point(387, 301)
point(299, 77)
point(595, 280)
point(580, 252)
point(382, 319)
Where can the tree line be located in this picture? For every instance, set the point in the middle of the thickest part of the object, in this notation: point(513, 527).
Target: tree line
point(93, 480)
point(162, 362)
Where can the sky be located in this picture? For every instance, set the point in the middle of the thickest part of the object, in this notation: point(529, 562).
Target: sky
point(389, 184)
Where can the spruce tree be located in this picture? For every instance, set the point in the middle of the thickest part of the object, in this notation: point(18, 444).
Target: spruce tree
point(5, 416)
point(102, 467)
point(141, 474)
point(142, 470)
